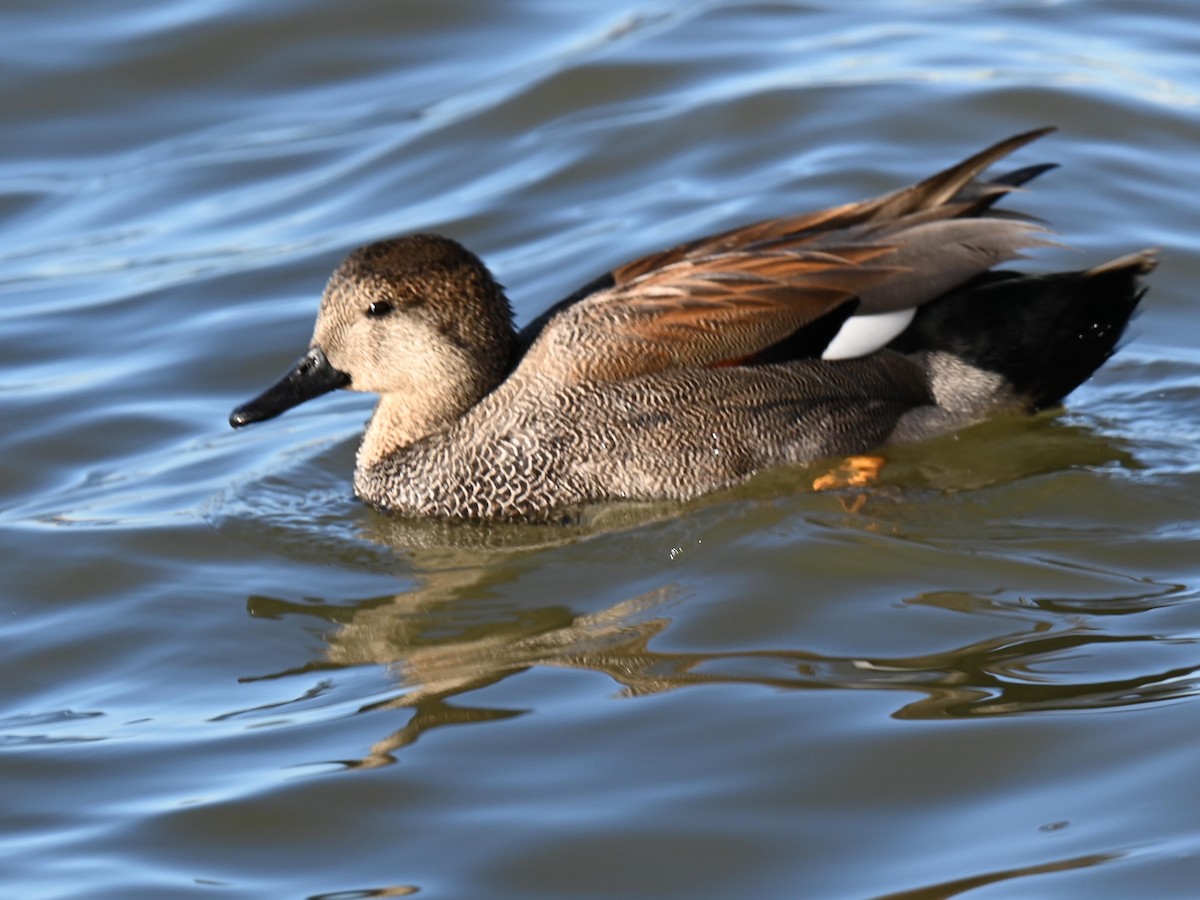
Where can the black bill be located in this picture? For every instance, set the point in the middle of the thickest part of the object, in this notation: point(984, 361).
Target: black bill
point(311, 377)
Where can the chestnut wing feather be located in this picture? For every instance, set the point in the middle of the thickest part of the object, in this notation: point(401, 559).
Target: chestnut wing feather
point(730, 296)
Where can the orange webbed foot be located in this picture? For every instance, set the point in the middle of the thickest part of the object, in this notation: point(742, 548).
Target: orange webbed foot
point(855, 471)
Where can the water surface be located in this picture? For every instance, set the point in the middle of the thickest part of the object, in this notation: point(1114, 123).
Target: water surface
point(225, 677)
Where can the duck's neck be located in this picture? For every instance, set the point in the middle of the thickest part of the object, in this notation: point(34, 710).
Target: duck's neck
point(454, 382)
point(396, 424)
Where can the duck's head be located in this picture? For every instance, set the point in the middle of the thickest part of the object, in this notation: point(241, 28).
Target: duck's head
point(419, 317)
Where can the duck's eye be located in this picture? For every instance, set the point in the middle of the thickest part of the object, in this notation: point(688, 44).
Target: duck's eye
point(379, 309)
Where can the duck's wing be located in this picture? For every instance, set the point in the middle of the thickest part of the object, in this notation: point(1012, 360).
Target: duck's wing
point(703, 311)
point(733, 297)
point(955, 192)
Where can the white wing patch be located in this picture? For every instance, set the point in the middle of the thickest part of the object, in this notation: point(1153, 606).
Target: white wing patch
point(860, 335)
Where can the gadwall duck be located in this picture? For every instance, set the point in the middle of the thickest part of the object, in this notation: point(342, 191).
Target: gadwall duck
point(689, 370)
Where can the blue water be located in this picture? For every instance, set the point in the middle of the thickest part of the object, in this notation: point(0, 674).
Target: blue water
point(225, 677)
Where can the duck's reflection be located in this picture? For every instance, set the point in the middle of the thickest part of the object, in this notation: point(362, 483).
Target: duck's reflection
point(454, 634)
point(958, 886)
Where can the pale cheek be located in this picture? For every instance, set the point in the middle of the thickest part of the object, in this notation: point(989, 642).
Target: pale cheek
point(409, 360)
point(416, 364)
